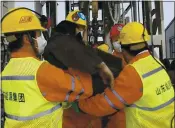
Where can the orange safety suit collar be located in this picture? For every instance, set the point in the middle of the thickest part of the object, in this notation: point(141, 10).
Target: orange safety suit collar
point(138, 56)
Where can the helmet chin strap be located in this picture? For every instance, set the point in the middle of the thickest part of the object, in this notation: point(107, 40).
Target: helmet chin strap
point(33, 45)
point(126, 60)
point(124, 57)
point(152, 53)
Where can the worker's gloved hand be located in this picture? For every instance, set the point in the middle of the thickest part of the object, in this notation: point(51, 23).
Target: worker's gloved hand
point(76, 107)
point(106, 74)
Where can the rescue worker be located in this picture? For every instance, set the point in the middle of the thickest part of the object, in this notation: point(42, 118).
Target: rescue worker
point(114, 35)
point(143, 88)
point(104, 47)
point(33, 89)
point(66, 49)
point(117, 119)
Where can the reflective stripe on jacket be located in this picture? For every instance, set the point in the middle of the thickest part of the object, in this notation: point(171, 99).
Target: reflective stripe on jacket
point(24, 104)
point(143, 88)
point(155, 109)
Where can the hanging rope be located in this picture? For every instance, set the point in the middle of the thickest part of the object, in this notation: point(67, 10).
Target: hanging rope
point(118, 12)
point(115, 11)
point(112, 17)
point(110, 12)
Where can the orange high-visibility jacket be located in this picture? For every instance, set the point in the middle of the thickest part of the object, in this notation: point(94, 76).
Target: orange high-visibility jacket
point(118, 119)
point(128, 89)
point(126, 84)
point(56, 85)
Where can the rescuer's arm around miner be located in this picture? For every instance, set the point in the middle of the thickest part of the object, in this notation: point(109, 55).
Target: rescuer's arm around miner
point(58, 85)
point(127, 89)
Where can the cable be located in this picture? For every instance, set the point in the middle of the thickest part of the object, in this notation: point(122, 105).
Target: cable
point(110, 12)
point(4, 4)
point(117, 12)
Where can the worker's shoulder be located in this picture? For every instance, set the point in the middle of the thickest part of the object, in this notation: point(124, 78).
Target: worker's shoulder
point(129, 76)
point(128, 67)
point(129, 70)
point(47, 64)
point(47, 68)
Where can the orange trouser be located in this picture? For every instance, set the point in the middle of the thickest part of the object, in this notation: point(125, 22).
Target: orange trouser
point(72, 119)
point(117, 120)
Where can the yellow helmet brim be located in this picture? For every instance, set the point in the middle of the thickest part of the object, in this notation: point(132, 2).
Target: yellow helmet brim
point(19, 20)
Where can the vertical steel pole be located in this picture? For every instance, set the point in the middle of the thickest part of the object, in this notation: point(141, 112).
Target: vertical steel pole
point(151, 28)
point(138, 10)
point(134, 10)
point(132, 17)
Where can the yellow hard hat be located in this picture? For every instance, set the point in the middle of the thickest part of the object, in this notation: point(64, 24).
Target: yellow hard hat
point(103, 47)
point(77, 17)
point(19, 20)
point(133, 33)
